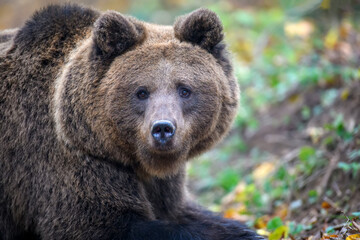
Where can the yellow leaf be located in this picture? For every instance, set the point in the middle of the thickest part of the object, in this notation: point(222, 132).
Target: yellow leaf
point(279, 233)
point(236, 196)
point(315, 133)
point(295, 98)
point(345, 29)
point(262, 232)
point(281, 211)
point(263, 170)
point(353, 237)
point(261, 222)
point(236, 215)
point(243, 50)
point(230, 213)
point(345, 94)
point(325, 4)
point(331, 39)
point(301, 29)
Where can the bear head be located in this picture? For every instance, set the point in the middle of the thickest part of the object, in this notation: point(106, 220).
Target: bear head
point(145, 95)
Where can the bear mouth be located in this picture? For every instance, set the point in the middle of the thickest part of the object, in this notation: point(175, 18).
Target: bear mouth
point(161, 163)
point(163, 147)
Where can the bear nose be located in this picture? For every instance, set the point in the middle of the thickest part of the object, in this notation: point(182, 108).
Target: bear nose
point(162, 131)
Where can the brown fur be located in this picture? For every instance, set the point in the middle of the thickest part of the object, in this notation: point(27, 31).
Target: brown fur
point(77, 157)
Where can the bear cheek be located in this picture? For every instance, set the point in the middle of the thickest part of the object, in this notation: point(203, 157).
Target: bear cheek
point(205, 116)
point(124, 116)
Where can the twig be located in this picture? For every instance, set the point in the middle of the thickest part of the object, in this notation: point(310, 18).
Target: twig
point(304, 181)
point(357, 225)
point(340, 226)
point(333, 163)
point(290, 156)
point(333, 205)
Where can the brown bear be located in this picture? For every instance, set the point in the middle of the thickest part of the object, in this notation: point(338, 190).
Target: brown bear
point(99, 113)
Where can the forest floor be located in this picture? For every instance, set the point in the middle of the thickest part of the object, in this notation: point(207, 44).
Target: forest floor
point(306, 178)
point(290, 168)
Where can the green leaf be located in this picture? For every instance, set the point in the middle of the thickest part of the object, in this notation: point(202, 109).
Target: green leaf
point(306, 113)
point(344, 166)
point(295, 228)
point(228, 179)
point(281, 173)
point(306, 153)
point(274, 223)
point(330, 229)
point(313, 196)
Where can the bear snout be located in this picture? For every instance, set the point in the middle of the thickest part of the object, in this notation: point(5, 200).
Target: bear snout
point(162, 132)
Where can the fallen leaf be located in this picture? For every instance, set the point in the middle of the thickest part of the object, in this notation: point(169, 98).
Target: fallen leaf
point(345, 29)
point(262, 232)
point(330, 236)
point(262, 171)
point(331, 39)
point(301, 29)
point(261, 222)
point(325, 205)
point(231, 213)
point(345, 94)
point(353, 237)
point(281, 211)
point(325, 4)
point(279, 233)
point(236, 215)
point(315, 133)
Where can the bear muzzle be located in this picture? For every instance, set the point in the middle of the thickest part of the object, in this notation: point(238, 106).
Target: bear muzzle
point(162, 132)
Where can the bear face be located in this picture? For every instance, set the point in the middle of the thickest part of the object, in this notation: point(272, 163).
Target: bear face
point(176, 91)
point(162, 96)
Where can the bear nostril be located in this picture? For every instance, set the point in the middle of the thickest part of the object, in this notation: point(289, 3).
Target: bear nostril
point(162, 131)
point(157, 130)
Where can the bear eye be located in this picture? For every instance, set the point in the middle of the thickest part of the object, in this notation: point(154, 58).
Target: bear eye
point(184, 92)
point(142, 94)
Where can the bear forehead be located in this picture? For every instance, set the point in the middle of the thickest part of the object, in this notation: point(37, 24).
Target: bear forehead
point(158, 34)
point(161, 54)
point(159, 44)
point(172, 59)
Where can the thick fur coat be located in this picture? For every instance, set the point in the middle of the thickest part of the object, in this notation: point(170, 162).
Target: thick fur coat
point(99, 113)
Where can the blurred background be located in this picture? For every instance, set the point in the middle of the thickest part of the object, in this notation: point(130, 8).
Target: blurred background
point(290, 167)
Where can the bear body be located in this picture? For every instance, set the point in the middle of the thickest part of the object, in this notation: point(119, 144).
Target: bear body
point(99, 114)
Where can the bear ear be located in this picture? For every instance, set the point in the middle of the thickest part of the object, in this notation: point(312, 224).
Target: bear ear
point(201, 27)
point(114, 34)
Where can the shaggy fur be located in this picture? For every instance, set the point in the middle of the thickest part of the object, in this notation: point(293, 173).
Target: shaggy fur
point(77, 157)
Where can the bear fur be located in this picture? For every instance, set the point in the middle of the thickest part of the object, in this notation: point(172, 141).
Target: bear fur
point(80, 91)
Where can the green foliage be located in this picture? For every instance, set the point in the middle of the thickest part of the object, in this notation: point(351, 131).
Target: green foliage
point(338, 128)
point(313, 196)
point(306, 153)
point(295, 229)
point(310, 160)
point(274, 223)
point(228, 179)
point(253, 197)
point(354, 167)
